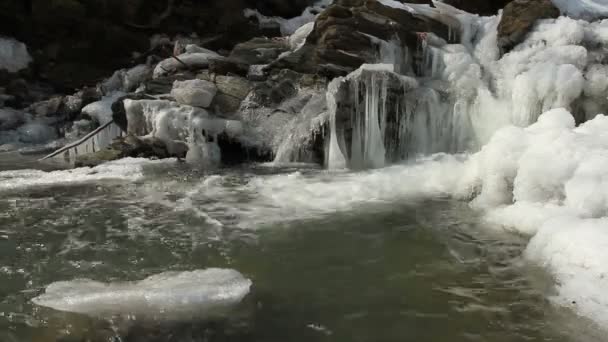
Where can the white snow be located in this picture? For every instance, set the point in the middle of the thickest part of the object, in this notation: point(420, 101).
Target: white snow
point(13, 55)
point(101, 111)
point(128, 169)
point(167, 295)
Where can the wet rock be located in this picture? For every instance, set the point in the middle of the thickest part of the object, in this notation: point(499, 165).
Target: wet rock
point(344, 37)
point(228, 66)
point(519, 17)
point(481, 7)
point(232, 90)
point(129, 146)
point(197, 93)
point(10, 119)
point(258, 51)
point(47, 108)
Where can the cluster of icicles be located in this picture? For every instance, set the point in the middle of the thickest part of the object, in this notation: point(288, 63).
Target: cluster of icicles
point(461, 94)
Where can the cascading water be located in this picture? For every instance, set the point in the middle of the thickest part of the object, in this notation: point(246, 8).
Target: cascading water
point(462, 93)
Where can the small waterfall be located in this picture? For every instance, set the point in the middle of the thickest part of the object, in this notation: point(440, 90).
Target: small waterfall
point(95, 141)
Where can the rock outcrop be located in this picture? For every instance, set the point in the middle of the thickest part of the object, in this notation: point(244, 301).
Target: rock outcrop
point(519, 17)
point(350, 33)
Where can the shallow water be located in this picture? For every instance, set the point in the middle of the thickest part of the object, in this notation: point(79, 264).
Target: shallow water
point(329, 261)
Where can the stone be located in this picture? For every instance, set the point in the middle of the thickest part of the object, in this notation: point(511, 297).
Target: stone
point(47, 108)
point(481, 7)
point(232, 90)
point(197, 93)
point(10, 119)
point(258, 51)
point(519, 17)
point(129, 146)
point(346, 35)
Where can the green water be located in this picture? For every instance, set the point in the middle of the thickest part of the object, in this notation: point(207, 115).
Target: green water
point(383, 271)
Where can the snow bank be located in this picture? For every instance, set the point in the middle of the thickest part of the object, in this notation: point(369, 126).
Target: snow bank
point(166, 295)
point(13, 55)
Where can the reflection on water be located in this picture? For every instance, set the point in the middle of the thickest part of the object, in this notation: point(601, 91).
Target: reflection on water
point(389, 269)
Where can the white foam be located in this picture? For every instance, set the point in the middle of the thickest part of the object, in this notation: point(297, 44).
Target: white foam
point(128, 169)
point(166, 295)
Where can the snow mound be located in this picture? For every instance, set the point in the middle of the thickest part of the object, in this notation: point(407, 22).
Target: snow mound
point(165, 295)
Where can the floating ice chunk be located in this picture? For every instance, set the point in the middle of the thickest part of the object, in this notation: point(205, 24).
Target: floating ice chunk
point(167, 295)
point(101, 110)
point(198, 93)
point(13, 55)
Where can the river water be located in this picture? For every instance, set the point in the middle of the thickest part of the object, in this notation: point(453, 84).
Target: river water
point(332, 256)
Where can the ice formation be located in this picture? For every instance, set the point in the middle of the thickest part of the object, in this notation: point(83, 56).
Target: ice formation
point(168, 295)
point(178, 125)
point(468, 91)
point(13, 55)
point(101, 111)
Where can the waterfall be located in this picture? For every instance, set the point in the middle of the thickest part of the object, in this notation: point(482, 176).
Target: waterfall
point(95, 141)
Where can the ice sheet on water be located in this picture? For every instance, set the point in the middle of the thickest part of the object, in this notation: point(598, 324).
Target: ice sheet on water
point(166, 295)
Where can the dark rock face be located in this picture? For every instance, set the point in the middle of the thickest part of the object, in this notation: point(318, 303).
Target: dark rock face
point(340, 41)
point(481, 7)
point(519, 17)
point(78, 42)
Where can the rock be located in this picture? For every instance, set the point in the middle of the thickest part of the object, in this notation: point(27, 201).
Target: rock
point(519, 17)
point(228, 66)
point(185, 61)
point(344, 37)
point(481, 7)
point(10, 119)
point(232, 90)
point(129, 146)
point(47, 108)
point(258, 51)
point(197, 93)
point(13, 55)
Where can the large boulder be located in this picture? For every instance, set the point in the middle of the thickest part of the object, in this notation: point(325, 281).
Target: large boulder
point(197, 93)
point(350, 33)
point(519, 17)
point(481, 7)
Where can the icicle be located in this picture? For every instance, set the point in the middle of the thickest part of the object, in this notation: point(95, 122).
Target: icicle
point(336, 159)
